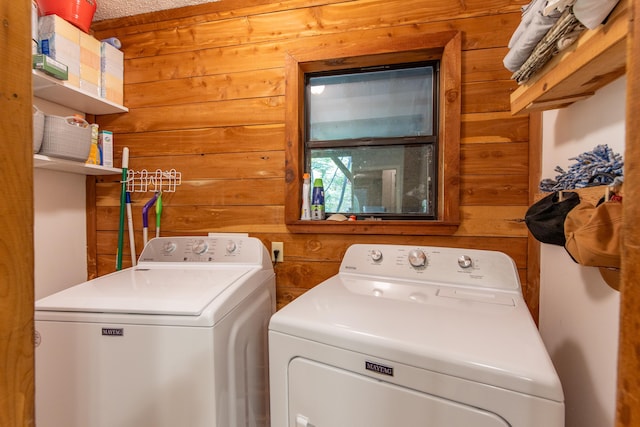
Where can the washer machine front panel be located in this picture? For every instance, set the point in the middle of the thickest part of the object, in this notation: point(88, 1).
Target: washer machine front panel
point(138, 376)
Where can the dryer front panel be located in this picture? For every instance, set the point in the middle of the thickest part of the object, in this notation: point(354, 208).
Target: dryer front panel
point(325, 396)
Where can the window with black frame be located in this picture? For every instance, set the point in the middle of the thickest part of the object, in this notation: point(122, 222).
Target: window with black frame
point(371, 135)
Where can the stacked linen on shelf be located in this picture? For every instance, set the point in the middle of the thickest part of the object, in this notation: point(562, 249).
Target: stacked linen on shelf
point(560, 36)
point(548, 27)
point(533, 26)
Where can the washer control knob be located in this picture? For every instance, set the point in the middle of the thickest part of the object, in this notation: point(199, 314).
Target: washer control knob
point(465, 261)
point(231, 247)
point(417, 258)
point(169, 247)
point(376, 255)
point(200, 247)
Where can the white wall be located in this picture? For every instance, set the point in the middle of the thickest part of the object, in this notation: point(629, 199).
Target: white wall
point(60, 240)
point(578, 310)
point(60, 231)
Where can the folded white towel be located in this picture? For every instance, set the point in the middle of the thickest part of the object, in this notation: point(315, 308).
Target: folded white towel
point(529, 38)
point(528, 12)
point(591, 13)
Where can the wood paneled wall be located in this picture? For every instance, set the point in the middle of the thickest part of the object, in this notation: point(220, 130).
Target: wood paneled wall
point(17, 355)
point(205, 90)
point(628, 401)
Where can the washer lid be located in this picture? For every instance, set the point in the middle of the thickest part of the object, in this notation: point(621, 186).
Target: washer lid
point(486, 337)
point(169, 291)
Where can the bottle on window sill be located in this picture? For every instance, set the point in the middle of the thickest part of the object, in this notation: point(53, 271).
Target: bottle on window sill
point(317, 200)
point(306, 192)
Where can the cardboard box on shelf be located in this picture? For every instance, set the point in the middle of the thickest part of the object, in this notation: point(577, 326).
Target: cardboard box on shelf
point(50, 66)
point(105, 146)
point(112, 73)
point(61, 41)
point(90, 78)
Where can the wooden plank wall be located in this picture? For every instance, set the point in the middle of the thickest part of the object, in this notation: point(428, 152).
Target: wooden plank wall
point(205, 90)
point(628, 406)
point(17, 352)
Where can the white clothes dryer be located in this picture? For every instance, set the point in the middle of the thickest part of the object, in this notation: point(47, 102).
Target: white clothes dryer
point(178, 340)
point(412, 336)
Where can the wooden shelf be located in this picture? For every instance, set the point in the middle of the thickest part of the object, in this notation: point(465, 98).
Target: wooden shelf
point(60, 92)
point(54, 90)
point(596, 59)
point(46, 162)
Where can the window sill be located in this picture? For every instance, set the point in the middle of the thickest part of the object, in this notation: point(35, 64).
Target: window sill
point(415, 228)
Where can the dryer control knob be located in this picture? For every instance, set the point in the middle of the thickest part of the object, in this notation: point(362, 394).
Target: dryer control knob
point(200, 247)
point(376, 255)
point(417, 258)
point(465, 261)
point(231, 247)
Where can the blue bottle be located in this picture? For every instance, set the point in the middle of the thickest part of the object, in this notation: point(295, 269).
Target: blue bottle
point(317, 200)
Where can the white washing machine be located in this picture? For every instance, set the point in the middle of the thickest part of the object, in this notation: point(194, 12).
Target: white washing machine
point(178, 340)
point(412, 336)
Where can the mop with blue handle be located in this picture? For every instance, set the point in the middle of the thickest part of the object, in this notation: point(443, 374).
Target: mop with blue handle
point(123, 206)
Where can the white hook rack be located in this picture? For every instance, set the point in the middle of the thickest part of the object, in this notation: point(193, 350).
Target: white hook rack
point(159, 181)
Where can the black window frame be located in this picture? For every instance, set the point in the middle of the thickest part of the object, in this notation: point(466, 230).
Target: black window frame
point(405, 141)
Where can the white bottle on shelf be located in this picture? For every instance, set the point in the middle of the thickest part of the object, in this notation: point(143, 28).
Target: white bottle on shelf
point(306, 203)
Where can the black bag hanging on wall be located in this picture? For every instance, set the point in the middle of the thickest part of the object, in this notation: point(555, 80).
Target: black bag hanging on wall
point(545, 218)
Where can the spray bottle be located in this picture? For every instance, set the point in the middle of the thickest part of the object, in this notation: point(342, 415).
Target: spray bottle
point(317, 200)
point(306, 193)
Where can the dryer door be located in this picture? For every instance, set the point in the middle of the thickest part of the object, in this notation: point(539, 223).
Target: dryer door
point(325, 396)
